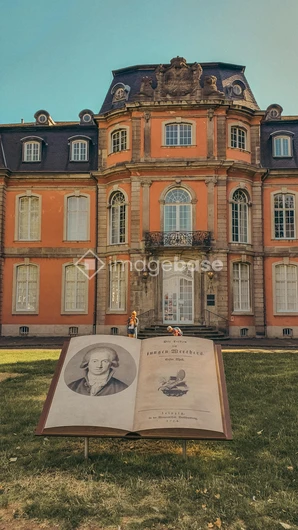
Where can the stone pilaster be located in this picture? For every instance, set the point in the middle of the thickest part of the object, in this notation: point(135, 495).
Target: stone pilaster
point(136, 139)
point(257, 217)
point(102, 276)
point(2, 227)
point(147, 136)
point(102, 148)
point(146, 206)
point(135, 204)
point(221, 137)
point(258, 295)
point(255, 144)
point(210, 134)
point(222, 213)
point(210, 183)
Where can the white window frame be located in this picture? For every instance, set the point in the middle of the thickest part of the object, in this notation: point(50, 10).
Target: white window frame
point(30, 217)
point(78, 220)
point(282, 154)
point(239, 125)
point(115, 217)
point(79, 279)
point(16, 309)
point(243, 217)
point(117, 290)
point(286, 288)
point(178, 123)
point(241, 287)
point(283, 216)
point(119, 137)
point(32, 151)
point(78, 156)
point(168, 206)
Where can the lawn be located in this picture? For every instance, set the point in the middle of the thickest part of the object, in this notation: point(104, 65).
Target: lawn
point(249, 483)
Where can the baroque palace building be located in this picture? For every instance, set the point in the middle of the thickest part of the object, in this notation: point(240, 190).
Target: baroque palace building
point(177, 200)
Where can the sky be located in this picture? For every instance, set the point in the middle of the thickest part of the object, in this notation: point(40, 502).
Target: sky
point(58, 55)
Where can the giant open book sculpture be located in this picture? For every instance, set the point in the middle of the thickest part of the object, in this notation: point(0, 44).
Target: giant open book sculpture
point(165, 387)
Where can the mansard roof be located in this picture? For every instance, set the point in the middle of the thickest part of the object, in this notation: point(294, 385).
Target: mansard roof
point(179, 81)
point(55, 153)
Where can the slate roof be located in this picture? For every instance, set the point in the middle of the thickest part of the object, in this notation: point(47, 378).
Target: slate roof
point(267, 128)
point(55, 147)
point(132, 76)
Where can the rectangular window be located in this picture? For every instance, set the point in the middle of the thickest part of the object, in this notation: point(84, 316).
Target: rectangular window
point(119, 141)
point(286, 288)
point(117, 287)
point(241, 287)
point(31, 152)
point(28, 219)
point(75, 289)
point(178, 134)
point(77, 218)
point(284, 216)
point(238, 138)
point(79, 151)
point(282, 146)
point(211, 299)
point(26, 288)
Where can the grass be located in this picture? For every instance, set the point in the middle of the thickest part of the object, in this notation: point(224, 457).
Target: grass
point(249, 483)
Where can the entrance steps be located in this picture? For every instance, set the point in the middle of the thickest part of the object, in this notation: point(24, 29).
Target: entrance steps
point(200, 331)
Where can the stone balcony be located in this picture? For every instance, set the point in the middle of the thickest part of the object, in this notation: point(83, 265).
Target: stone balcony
point(197, 239)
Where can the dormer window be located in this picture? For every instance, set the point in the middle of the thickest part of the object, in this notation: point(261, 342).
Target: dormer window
point(32, 152)
point(79, 148)
point(282, 146)
point(79, 151)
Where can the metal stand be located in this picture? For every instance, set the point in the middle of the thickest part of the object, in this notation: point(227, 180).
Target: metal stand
point(184, 449)
point(86, 448)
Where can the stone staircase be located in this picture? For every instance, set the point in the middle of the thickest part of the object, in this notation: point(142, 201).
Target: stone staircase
point(203, 332)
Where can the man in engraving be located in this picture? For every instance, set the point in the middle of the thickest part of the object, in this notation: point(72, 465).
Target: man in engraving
point(99, 365)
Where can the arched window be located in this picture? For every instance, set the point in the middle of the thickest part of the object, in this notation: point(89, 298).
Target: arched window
point(178, 134)
point(119, 140)
point(177, 211)
point(282, 146)
point(241, 287)
point(238, 138)
point(77, 220)
point(32, 151)
point(28, 218)
point(79, 150)
point(284, 216)
point(240, 217)
point(75, 289)
point(286, 293)
point(117, 218)
point(26, 288)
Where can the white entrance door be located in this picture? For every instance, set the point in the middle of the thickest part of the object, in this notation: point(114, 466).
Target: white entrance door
point(178, 297)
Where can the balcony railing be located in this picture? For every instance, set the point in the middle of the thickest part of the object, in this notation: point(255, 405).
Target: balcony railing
point(198, 239)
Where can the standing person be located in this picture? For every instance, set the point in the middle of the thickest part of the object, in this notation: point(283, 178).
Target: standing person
point(132, 325)
point(176, 332)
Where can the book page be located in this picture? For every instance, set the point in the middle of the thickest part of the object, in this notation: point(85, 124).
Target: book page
point(86, 397)
point(178, 385)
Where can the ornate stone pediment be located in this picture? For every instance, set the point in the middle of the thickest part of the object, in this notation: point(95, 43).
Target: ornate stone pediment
point(179, 80)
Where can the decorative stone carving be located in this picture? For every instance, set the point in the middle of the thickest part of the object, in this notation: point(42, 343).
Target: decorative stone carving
point(179, 80)
point(210, 87)
point(146, 87)
point(120, 92)
point(273, 112)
